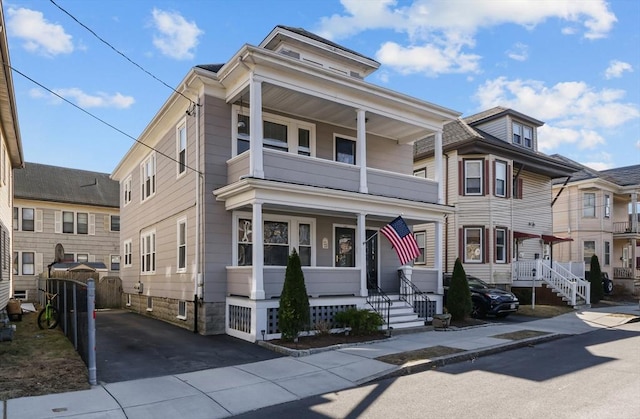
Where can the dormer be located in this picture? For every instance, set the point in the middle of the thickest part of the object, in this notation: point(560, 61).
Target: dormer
point(507, 125)
point(307, 47)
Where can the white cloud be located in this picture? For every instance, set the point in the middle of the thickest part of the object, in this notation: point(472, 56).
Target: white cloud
point(574, 112)
point(437, 29)
point(85, 100)
point(38, 35)
point(176, 38)
point(598, 165)
point(616, 68)
point(519, 52)
point(638, 144)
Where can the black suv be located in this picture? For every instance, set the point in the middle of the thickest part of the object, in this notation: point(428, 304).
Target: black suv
point(486, 300)
point(607, 283)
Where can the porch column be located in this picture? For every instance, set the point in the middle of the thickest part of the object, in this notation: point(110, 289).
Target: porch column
point(438, 254)
point(256, 167)
point(257, 258)
point(361, 149)
point(634, 212)
point(361, 253)
point(437, 149)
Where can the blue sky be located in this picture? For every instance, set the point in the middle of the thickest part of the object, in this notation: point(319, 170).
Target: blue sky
point(573, 64)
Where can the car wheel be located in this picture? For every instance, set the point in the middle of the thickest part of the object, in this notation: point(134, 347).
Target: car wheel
point(478, 310)
point(608, 287)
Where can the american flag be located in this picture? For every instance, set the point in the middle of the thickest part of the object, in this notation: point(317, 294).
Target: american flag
point(402, 240)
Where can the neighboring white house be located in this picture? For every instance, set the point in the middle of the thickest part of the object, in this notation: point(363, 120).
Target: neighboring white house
point(285, 146)
point(11, 157)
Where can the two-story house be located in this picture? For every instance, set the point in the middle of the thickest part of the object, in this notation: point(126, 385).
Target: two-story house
point(500, 185)
point(76, 211)
point(11, 157)
point(285, 146)
point(599, 210)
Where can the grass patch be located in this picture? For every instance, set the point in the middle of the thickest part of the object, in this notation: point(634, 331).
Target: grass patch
point(543, 311)
point(521, 334)
point(417, 356)
point(38, 362)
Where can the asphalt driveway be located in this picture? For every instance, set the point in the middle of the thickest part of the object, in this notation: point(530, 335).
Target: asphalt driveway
point(130, 346)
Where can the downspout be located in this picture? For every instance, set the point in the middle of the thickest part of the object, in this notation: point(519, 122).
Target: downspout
point(446, 219)
point(198, 285)
point(564, 185)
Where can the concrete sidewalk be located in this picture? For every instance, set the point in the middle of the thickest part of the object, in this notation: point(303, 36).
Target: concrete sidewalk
point(223, 392)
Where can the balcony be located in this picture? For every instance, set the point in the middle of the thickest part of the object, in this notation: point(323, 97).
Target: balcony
point(624, 227)
point(316, 172)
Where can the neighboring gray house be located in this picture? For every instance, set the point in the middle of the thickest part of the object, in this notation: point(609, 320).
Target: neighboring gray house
point(53, 205)
point(286, 146)
point(11, 157)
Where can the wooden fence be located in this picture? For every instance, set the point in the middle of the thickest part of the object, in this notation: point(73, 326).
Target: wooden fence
point(108, 288)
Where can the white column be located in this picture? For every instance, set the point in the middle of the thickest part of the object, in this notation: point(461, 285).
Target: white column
point(361, 149)
point(437, 149)
point(361, 253)
point(438, 254)
point(256, 168)
point(257, 260)
point(634, 212)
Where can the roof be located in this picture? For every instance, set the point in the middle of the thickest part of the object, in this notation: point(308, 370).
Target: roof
point(60, 184)
point(211, 67)
point(621, 176)
point(499, 112)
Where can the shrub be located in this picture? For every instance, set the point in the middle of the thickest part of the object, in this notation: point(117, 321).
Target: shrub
point(459, 296)
point(361, 322)
point(595, 279)
point(293, 313)
point(322, 328)
point(524, 295)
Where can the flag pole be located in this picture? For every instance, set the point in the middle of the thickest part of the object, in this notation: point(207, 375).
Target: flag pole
point(372, 236)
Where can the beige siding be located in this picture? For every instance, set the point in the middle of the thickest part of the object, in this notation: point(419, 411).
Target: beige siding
point(499, 128)
point(6, 218)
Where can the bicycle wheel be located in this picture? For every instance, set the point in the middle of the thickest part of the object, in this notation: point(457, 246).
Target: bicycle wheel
point(48, 318)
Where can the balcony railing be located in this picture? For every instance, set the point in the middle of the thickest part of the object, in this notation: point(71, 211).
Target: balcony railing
point(311, 171)
point(624, 227)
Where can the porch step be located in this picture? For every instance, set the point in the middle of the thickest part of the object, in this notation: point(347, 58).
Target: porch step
point(402, 316)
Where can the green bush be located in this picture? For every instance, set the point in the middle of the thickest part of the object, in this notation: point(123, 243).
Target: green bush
point(293, 313)
point(595, 279)
point(459, 296)
point(524, 295)
point(361, 322)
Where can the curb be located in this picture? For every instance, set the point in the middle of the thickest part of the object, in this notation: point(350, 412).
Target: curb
point(306, 352)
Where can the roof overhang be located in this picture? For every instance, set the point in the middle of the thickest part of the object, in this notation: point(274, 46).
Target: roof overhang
point(547, 238)
point(521, 235)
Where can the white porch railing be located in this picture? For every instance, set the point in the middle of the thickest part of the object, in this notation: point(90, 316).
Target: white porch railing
point(558, 277)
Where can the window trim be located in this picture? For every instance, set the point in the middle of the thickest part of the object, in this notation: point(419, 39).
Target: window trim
point(606, 253)
point(584, 242)
point(422, 258)
point(181, 166)
point(179, 245)
point(590, 206)
point(22, 263)
point(145, 194)
point(496, 164)
point(32, 220)
point(293, 238)
point(518, 136)
point(480, 251)
point(151, 252)
point(182, 310)
point(505, 245)
point(607, 206)
point(111, 217)
point(127, 190)
point(127, 247)
point(466, 162)
point(354, 140)
point(421, 173)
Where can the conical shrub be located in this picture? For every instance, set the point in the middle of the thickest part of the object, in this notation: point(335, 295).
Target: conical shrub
point(595, 279)
point(293, 314)
point(459, 296)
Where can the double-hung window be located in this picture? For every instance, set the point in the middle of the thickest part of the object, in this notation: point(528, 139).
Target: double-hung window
point(16, 218)
point(28, 218)
point(473, 249)
point(522, 135)
point(182, 245)
point(115, 262)
point(421, 237)
point(607, 253)
point(148, 252)
point(126, 190)
point(345, 150)
point(501, 178)
point(501, 245)
point(588, 250)
point(83, 223)
point(304, 243)
point(181, 147)
point(28, 263)
point(473, 177)
point(527, 133)
point(127, 252)
point(68, 222)
point(148, 176)
point(114, 223)
point(589, 204)
point(607, 206)
point(276, 243)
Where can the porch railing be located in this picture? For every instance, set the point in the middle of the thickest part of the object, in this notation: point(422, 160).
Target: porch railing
point(623, 227)
point(625, 273)
point(380, 302)
point(561, 279)
point(417, 299)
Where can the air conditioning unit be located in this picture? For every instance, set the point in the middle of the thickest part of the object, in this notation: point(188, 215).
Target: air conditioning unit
point(139, 286)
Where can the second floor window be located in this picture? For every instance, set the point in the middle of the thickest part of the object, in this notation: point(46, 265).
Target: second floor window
point(279, 133)
point(607, 206)
point(181, 140)
point(473, 179)
point(115, 223)
point(589, 204)
point(28, 218)
point(68, 222)
point(126, 188)
point(83, 223)
point(345, 150)
point(501, 178)
point(148, 176)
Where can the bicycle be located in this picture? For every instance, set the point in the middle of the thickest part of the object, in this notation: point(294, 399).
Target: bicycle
point(48, 317)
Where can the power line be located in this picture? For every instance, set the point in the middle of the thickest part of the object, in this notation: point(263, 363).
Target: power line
point(119, 52)
point(99, 119)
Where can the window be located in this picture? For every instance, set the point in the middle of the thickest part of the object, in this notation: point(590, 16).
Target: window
point(279, 133)
point(588, 250)
point(83, 223)
point(126, 187)
point(28, 215)
point(68, 257)
point(528, 136)
point(127, 252)
point(421, 239)
point(279, 239)
point(114, 224)
point(607, 206)
point(345, 150)
point(82, 257)
point(16, 220)
point(589, 204)
point(67, 222)
point(182, 310)
point(28, 263)
point(473, 245)
point(501, 178)
point(420, 173)
point(501, 245)
point(181, 144)
point(607, 253)
point(115, 262)
point(473, 177)
point(517, 133)
point(15, 263)
point(148, 252)
point(182, 245)
point(148, 176)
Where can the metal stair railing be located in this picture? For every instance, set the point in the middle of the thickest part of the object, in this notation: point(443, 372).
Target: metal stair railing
point(417, 299)
point(380, 302)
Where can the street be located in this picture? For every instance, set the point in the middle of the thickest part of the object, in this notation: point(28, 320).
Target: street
point(593, 375)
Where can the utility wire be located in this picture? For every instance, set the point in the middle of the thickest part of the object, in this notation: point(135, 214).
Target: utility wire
point(98, 118)
point(119, 52)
